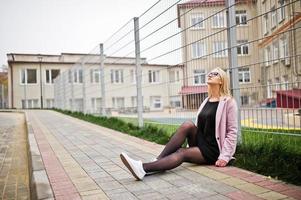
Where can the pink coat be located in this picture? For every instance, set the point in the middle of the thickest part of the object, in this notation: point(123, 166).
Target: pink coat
point(226, 126)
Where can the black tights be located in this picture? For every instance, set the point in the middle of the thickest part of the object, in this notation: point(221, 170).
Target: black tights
point(173, 155)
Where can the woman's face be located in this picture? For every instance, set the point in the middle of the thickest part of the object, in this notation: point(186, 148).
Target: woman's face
point(214, 77)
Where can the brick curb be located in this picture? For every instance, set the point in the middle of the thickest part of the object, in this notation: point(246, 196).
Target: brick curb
point(39, 183)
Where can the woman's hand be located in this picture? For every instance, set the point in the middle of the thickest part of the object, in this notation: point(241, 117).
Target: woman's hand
point(220, 163)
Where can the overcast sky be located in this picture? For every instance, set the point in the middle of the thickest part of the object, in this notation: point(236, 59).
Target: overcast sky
point(56, 26)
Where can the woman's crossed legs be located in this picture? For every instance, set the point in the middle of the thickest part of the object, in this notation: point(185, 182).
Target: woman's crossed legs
point(173, 155)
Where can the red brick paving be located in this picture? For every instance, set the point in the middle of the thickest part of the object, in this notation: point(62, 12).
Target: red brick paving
point(239, 195)
point(61, 184)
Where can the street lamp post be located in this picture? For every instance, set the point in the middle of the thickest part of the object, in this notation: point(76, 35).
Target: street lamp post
point(41, 88)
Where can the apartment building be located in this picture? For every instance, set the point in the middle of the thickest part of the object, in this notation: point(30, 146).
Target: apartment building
point(204, 38)
point(34, 79)
point(280, 49)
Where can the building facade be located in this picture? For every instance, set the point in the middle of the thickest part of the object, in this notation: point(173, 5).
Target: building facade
point(34, 80)
point(204, 38)
point(268, 47)
point(280, 49)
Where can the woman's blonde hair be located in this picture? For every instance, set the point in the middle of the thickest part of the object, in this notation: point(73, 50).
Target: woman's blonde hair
point(224, 87)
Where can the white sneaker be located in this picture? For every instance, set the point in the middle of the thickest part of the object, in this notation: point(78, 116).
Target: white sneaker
point(135, 166)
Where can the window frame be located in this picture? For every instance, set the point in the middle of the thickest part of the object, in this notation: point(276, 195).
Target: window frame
point(117, 73)
point(198, 49)
point(154, 76)
point(281, 10)
point(273, 17)
point(218, 16)
point(51, 81)
point(198, 76)
point(26, 76)
point(217, 52)
point(241, 45)
point(76, 76)
point(197, 16)
point(275, 52)
point(93, 75)
point(243, 72)
point(240, 16)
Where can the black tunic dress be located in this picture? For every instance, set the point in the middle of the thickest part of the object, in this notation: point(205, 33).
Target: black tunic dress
point(206, 132)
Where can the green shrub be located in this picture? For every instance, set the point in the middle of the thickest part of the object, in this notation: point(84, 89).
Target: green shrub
point(270, 159)
point(275, 155)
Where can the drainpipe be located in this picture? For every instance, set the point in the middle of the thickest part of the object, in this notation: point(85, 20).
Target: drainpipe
point(294, 46)
point(41, 88)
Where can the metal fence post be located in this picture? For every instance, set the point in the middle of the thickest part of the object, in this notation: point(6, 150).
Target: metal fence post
point(138, 72)
point(59, 93)
point(84, 87)
point(102, 76)
point(70, 72)
point(54, 93)
point(64, 92)
point(233, 64)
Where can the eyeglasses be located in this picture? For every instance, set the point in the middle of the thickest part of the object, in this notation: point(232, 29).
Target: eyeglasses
point(213, 74)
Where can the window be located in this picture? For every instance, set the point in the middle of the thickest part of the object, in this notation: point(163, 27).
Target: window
point(275, 52)
point(96, 105)
point(95, 75)
point(241, 17)
point(283, 49)
point(51, 74)
point(198, 49)
point(175, 101)
point(244, 75)
point(220, 49)
point(30, 103)
point(197, 21)
point(243, 48)
point(244, 100)
point(79, 104)
point(78, 76)
point(174, 76)
point(265, 24)
point(267, 56)
point(133, 76)
point(118, 102)
point(134, 101)
point(199, 77)
point(156, 102)
point(49, 103)
point(219, 20)
point(285, 82)
point(153, 76)
point(28, 76)
point(274, 17)
point(116, 76)
point(281, 10)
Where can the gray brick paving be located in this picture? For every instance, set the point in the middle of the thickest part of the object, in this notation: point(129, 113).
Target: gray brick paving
point(97, 150)
point(98, 155)
point(14, 171)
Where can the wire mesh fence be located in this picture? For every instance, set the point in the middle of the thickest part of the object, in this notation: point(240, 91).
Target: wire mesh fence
point(154, 67)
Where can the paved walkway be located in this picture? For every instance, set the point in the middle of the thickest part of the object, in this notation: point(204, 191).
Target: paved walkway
point(14, 174)
point(82, 162)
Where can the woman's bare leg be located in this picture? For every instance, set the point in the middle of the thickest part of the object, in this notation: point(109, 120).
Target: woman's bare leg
point(192, 155)
point(186, 130)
